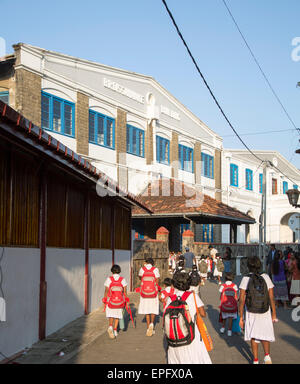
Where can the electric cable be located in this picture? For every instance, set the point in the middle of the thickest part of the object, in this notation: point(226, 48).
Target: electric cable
point(260, 68)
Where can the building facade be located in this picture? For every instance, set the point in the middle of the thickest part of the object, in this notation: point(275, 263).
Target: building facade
point(242, 180)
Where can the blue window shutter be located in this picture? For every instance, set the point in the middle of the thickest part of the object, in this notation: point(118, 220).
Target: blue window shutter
point(295, 186)
point(4, 96)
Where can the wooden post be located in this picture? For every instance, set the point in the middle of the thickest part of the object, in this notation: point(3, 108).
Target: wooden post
point(86, 248)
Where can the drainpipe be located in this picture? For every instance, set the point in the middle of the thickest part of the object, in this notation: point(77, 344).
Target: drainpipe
point(42, 244)
point(113, 234)
point(86, 248)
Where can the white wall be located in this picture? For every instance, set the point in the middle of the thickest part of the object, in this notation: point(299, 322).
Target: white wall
point(65, 286)
point(21, 284)
point(122, 258)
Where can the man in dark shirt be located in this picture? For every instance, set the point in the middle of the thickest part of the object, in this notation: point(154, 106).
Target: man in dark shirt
point(190, 260)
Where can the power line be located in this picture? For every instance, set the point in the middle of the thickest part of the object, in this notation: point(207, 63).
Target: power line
point(260, 68)
point(260, 133)
point(205, 82)
point(211, 92)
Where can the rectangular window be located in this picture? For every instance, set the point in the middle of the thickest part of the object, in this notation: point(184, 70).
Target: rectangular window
point(207, 169)
point(285, 187)
point(101, 129)
point(4, 96)
point(186, 156)
point(249, 180)
point(234, 175)
point(58, 115)
point(274, 187)
point(261, 177)
point(135, 141)
point(295, 186)
point(162, 150)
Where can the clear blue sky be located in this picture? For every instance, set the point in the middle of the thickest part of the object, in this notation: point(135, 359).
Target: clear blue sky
point(137, 35)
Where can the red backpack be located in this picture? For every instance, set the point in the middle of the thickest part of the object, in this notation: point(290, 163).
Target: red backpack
point(179, 329)
point(116, 294)
point(149, 287)
point(167, 294)
point(229, 299)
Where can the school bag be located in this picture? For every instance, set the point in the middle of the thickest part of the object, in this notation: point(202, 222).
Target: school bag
point(179, 329)
point(229, 299)
point(220, 265)
point(149, 287)
point(167, 294)
point(257, 294)
point(116, 294)
point(203, 267)
point(195, 278)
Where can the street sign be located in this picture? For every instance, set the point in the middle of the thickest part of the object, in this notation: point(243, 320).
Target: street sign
point(294, 222)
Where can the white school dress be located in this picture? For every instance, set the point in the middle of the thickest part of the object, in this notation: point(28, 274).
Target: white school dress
point(226, 315)
point(194, 353)
point(149, 306)
point(111, 312)
point(258, 326)
point(216, 272)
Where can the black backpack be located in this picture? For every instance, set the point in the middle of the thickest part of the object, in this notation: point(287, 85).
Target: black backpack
point(195, 278)
point(257, 294)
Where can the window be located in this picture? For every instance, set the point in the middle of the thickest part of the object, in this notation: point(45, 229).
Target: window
point(261, 178)
point(4, 96)
point(295, 186)
point(208, 233)
point(249, 180)
point(186, 156)
point(58, 115)
point(101, 129)
point(207, 165)
point(285, 187)
point(274, 186)
point(135, 138)
point(162, 150)
point(234, 175)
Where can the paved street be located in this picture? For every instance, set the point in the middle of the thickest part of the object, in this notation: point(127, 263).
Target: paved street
point(133, 347)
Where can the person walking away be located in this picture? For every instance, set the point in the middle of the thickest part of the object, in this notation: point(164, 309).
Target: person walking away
point(279, 280)
point(229, 302)
point(219, 268)
point(149, 301)
point(203, 267)
point(270, 258)
point(190, 259)
point(209, 267)
point(295, 270)
point(167, 291)
point(227, 260)
point(256, 294)
point(213, 254)
point(195, 280)
point(180, 265)
point(194, 350)
point(115, 297)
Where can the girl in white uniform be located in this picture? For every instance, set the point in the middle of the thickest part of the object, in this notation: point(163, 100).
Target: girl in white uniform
point(258, 326)
point(149, 306)
point(194, 353)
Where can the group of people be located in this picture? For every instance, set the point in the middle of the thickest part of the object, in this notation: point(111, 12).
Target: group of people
point(251, 306)
point(284, 270)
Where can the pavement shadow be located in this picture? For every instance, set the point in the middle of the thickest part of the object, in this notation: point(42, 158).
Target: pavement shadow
point(294, 341)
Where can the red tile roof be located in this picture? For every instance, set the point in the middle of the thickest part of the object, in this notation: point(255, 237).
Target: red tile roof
point(170, 197)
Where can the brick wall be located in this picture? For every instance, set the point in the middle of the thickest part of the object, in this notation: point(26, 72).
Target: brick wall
point(82, 124)
point(120, 145)
point(217, 173)
point(197, 159)
point(149, 144)
point(28, 95)
point(174, 154)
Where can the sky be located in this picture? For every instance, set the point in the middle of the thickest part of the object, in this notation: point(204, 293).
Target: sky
point(138, 35)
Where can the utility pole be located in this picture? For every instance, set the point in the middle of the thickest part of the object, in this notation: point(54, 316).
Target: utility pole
point(263, 215)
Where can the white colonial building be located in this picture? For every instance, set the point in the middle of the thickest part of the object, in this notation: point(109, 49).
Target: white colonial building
point(242, 178)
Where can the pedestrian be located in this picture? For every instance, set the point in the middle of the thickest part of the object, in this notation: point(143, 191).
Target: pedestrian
point(213, 253)
point(256, 293)
point(115, 298)
point(219, 268)
point(209, 265)
point(195, 352)
point(167, 291)
point(270, 258)
point(229, 303)
point(203, 268)
point(195, 280)
point(180, 265)
point(190, 259)
point(295, 270)
point(279, 280)
point(227, 259)
point(149, 301)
